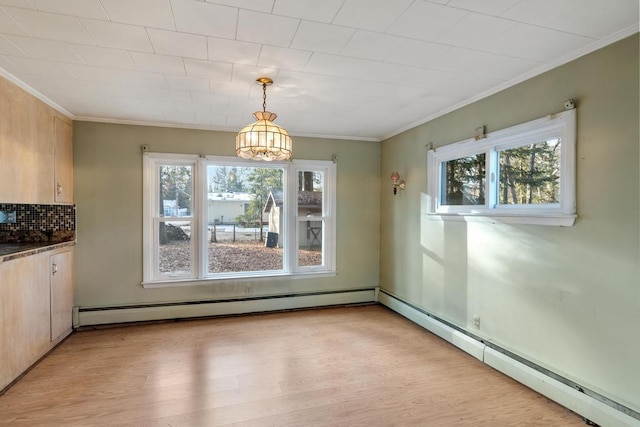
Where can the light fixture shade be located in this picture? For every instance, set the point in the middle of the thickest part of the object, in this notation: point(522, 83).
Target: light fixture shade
point(263, 139)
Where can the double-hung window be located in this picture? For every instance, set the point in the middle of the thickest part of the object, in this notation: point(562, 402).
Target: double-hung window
point(522, 174)
point(208, 218)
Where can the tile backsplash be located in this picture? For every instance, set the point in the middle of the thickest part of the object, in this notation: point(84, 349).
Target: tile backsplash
point(38, 223)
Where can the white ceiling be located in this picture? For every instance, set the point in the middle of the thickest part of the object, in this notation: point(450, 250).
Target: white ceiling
point(361, 69)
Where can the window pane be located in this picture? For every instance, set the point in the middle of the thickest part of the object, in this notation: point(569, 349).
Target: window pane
point(310, 187)
point(245, 208)
point(309, 243)
point(175, 190)
point(530, 174)
point(174, 242)
point(463, 181)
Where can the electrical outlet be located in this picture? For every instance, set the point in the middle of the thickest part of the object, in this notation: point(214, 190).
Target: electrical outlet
point(476, 321)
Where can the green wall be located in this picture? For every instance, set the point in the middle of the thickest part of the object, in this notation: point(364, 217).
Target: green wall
point(108, 195)
point(565, 298)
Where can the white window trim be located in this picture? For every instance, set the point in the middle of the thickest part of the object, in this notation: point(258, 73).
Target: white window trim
point(561, 125)
point(200, 275)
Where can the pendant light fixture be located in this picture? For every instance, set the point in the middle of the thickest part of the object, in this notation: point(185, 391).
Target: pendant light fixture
point(263, 140)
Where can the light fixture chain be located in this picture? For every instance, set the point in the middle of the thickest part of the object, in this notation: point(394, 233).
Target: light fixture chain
point(264, 97)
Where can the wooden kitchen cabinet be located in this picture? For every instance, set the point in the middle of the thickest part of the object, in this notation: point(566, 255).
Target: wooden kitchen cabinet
point(36, 309)
point(25, 334)
point(63, 161)
point(61, 294)
point(35, 149)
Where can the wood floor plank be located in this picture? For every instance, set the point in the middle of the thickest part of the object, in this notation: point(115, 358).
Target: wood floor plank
point(347, 366)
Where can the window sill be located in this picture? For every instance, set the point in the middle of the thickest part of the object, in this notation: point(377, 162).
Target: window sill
point(557, 220)
point(172, 283)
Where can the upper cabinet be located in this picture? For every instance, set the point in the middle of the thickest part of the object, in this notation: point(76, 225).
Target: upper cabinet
point(63, 161)
point(30, 131)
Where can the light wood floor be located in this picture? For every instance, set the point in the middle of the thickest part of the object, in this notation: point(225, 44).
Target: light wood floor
point(355, 366)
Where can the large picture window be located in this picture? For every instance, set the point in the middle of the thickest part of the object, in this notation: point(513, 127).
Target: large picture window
point(523, 174)
point(226, 218)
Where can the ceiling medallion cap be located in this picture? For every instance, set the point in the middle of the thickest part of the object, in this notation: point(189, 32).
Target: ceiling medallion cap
point(264, 81)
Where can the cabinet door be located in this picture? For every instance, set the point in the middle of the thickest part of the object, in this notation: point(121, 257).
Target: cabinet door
point(63, 165)
point(26, 148)
point(61, 294)
point(24, 314)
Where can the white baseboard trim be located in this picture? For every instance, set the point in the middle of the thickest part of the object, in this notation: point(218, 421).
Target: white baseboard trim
point(585, 405)
point(460, 340)
point(111, 315)
point(588, 407)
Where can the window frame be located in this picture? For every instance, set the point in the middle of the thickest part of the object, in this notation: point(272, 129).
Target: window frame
point(199, 267)
point(561, 125)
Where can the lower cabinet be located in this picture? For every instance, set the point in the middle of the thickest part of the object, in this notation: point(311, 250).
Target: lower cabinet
point(61, 294)
point(35, 309)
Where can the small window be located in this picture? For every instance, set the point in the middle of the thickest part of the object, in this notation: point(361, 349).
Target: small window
point(523, 174)
point(530, 174)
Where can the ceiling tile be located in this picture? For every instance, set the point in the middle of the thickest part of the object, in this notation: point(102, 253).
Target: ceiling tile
point(127, 78)
point(287, 59)
point(205, 18)
point(311, 10)
point(314, 36)
point(40, 66)
point(120, 36)
point(187, 83)
point(178, 44)
point(84, 8)
point(370, 45)
point(224, 88)
point(474, 30)
point(154, 94)
point(202, 108)
point(265, 28)
point(213, 99)
point(233, 51)
point(208, 69)
point(488, 7)
point(541, 12)
point(466, 61)
point(372, 15)
point(8, 48)
point(148, 13)
point(341, 66)
point(44, 49)
point(25, 4)
point(417, 53)
point(104, 56)
point(426, 21)
point(141, 78)
point(598, 18)
point(535, 43)
point(9, 25)
point(185, 117)
point(49, 25)
point(247, 75)
point(158, 63)
point(259, 5)
point(91, 73)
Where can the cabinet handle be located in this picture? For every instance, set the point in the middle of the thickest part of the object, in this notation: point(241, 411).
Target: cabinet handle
point(54, 269)
point(58, 188)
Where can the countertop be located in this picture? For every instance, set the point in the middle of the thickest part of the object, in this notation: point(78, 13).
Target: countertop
point(9, 251)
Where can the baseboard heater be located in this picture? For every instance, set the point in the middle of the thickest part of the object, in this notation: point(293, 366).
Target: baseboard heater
point(92, 316)
point(594, 407)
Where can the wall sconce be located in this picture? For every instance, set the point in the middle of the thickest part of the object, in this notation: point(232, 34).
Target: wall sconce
point(395, 178)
